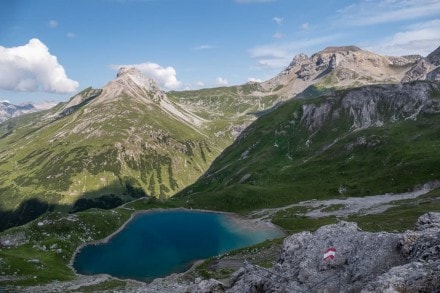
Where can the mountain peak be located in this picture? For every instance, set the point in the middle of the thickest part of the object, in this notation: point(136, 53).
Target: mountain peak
point(340, 67)
point(331, 50)
point(128, 70)
point(130, 81)
point(129, 75)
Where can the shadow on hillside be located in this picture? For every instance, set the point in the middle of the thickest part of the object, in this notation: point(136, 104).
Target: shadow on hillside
point(33, 208)
point(26, 212)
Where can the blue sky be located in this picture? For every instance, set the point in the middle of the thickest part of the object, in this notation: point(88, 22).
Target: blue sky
point(51, 49)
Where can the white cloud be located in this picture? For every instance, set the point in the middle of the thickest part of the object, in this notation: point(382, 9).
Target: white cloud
point(71, 35)
point(370, 12)
point(200, 83)
point(31, 68)
point(164, 76)
point(253, 79)
point(279, 55)
point(203, 47)
point(421, 38)
point(278, 20)
point(305, 26)
point(221, 81)
point(52, 23)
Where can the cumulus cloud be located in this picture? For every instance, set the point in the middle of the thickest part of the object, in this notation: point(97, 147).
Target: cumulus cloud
point(370, 12)
point(32, 68)
point(420, 38)
point(164, 76)
point(221, 81)
point(52, 23)
point(278, 20)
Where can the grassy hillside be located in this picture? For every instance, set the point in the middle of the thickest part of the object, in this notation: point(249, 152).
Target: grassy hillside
point(124, 149)
point(227, 110)
point(372, 140)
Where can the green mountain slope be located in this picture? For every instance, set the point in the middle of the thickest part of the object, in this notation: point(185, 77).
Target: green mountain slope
point(124, 141)
point(369, 140)
point(227, 110)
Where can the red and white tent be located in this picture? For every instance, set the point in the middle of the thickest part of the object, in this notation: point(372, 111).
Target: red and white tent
point(329, 254)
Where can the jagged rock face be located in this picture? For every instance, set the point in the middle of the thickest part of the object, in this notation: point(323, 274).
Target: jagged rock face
point(434, 57)
point(340, 67)
point(367, 262)
point(426, 68)
point(375, 105)
point(8, 110)
point(434, 74)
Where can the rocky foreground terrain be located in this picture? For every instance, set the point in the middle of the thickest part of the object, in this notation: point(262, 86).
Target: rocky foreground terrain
point(363, 262)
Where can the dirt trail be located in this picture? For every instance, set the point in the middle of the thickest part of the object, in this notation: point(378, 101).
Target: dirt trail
point(352, 205)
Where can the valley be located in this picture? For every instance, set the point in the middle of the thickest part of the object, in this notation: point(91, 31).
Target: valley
point(345, 134)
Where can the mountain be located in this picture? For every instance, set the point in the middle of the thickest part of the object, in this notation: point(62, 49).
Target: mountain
point(425, 68)
point(369, 140)
point(130, 138)
point(338, 67)
point(101, 148)
point(229, 110)
point(8, 110)
point(337, 137)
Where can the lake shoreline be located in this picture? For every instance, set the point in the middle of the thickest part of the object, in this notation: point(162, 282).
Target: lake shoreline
point(239, 221)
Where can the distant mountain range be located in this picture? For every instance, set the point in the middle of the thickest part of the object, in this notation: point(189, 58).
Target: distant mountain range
point(8, 110)
point(131, 139)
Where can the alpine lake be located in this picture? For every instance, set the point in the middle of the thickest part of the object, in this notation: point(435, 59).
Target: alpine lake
point(158, 243)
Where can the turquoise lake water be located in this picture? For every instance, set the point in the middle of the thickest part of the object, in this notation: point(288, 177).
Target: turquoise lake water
point(157, 244)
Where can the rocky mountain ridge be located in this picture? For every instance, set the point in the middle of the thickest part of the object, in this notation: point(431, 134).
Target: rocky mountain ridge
point(339, 67)
point(426, 68)
point(131, 136)
point(8, 110)
point(350, 130)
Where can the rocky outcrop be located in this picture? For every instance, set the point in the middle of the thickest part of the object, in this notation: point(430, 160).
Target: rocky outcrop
point(374, 105)
point(434, 57)
point(339, 67)
point(426, 68)
point(364, 261)
point(131, 82)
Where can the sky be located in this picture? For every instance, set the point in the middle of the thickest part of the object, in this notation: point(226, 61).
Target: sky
point(52, 49)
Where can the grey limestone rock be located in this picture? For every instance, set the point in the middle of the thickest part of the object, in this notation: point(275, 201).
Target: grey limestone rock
point(364, 261)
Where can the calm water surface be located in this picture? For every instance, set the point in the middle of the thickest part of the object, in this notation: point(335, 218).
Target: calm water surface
point(157, 244)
